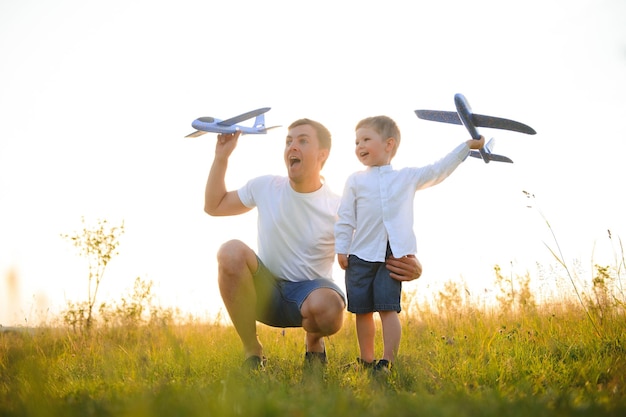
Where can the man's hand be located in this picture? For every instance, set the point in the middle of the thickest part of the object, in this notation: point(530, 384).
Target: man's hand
point(406, 268)
point(226, 143)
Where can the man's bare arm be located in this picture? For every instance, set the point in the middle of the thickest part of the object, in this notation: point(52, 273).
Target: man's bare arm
point(218, 201)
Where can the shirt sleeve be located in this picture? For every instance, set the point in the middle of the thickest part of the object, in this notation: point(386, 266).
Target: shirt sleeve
point(346, 222)
point(434, 173)
point(248, 192)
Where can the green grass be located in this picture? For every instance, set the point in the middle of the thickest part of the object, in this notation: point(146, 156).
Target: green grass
point(545, 361)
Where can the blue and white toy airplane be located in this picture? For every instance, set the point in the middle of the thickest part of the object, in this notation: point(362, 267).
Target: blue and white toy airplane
point(464, 116)
point(211, 124)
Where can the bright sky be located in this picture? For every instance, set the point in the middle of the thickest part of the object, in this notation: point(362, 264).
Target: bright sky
point(96, 98)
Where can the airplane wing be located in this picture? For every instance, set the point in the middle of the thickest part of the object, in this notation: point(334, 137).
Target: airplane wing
point(244, 116)
point(478, 120)
point(491, 157)
point(196, 134)
point(500, 158)
point(500, 123)
point(439, 116)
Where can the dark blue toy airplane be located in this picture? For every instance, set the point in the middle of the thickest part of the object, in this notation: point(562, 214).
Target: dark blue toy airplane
point(212, 124)
point(471, 121)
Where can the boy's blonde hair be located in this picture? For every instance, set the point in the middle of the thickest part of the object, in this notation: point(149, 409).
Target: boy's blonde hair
point(385, 127)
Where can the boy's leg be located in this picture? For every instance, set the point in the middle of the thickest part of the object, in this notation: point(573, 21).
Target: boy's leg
point(360, 276)
point(392, 332)
point(236, 264)
point(387, 296)
point(366, 332)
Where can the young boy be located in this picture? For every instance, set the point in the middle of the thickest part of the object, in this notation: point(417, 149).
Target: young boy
point(375, 222)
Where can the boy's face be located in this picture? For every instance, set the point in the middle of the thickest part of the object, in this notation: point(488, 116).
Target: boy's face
point(371, 148)
point(303, 155)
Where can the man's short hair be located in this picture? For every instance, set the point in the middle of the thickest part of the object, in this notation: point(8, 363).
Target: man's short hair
point(323, 134)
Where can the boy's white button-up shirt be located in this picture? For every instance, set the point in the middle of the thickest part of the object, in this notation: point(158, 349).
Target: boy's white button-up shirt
point(377, 207)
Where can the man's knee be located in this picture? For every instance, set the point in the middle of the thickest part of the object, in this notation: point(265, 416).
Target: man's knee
point(230, 251)
point(323, 311)
point(233, 255)
point(235, 260)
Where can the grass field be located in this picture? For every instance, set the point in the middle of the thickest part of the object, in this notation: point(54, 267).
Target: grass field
point(458, 361)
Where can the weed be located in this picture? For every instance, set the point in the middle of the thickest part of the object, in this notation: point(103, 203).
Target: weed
point(558, 255)
point(98, 244)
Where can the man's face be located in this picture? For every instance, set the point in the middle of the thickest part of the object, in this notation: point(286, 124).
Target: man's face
point(303, 156)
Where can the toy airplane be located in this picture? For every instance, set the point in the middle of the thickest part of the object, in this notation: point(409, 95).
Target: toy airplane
point(490, 156)
point(464, 116)
point(211, 124)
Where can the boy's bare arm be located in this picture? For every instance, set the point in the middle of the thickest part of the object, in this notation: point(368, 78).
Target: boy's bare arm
point(342, 259)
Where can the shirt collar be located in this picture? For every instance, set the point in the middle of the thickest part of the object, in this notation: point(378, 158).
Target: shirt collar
point(384, 168)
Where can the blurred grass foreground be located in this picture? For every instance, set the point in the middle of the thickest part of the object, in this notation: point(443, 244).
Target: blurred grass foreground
point(516, 358)
point(561, 356)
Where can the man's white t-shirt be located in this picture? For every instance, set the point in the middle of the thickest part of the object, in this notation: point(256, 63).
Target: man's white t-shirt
point(296, 239)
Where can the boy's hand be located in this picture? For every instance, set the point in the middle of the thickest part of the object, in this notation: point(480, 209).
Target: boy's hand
point(342, 258)
point(476, 143)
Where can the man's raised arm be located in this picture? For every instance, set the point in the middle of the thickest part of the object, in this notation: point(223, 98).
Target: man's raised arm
point(218, 201)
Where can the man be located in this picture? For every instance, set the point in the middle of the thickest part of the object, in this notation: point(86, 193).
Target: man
point(289, 283)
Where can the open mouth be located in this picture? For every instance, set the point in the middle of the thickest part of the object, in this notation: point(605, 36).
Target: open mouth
point(294, 161)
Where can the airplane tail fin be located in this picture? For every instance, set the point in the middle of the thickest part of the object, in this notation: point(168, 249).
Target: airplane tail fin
point(490, 144)
point(271, 127)
point(487, 154)
point(259, 122)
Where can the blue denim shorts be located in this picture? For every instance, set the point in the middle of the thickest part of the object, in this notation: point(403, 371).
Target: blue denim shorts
point(279, 301)
point(370, 288)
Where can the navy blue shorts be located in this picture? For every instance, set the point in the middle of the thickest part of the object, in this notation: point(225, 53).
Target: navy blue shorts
point(370, 288)
point(279, 301)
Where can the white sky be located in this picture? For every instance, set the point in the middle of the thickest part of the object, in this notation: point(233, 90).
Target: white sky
point(96, 98)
